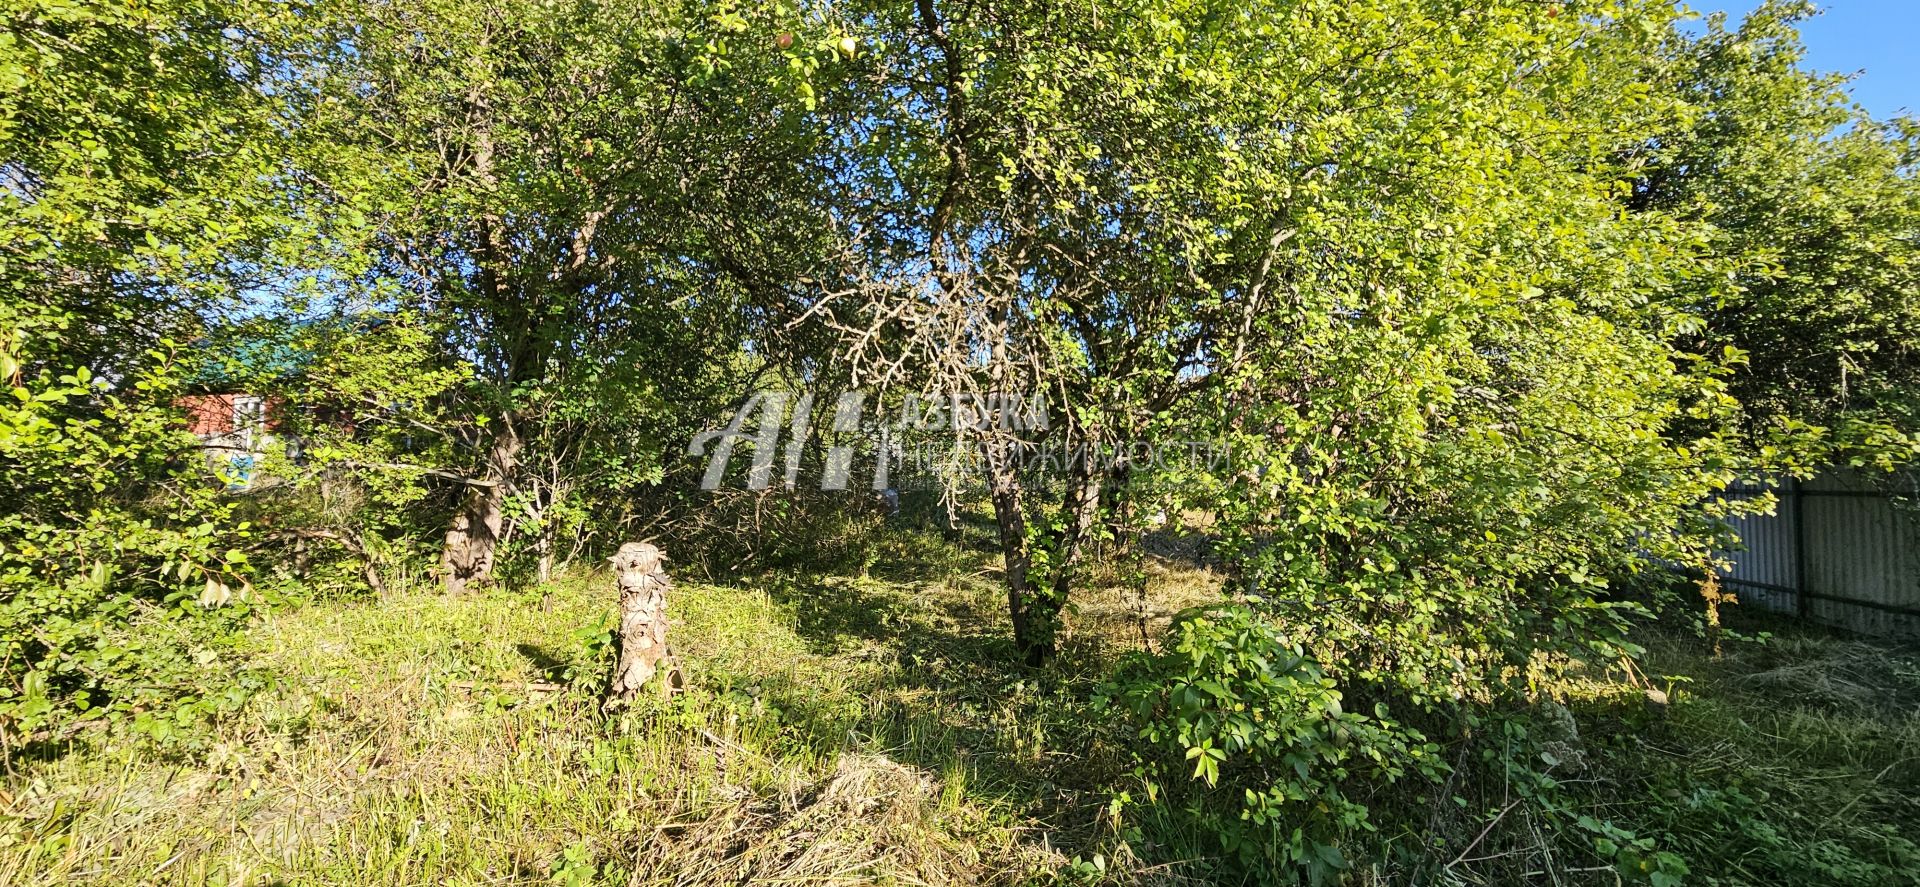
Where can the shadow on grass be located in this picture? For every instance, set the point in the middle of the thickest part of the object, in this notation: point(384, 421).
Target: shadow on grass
point(952, 697)
point(551, 667)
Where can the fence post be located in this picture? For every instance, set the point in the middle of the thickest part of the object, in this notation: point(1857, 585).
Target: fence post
point(1802, 603)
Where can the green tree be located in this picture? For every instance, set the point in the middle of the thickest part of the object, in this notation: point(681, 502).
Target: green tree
point(1310, 226)
point(1816, 210)
point(137, 164)
point(1378, 248)
point(587, 205)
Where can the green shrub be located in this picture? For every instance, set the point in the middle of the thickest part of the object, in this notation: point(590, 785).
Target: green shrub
point(1231, 701)
point(122, 576)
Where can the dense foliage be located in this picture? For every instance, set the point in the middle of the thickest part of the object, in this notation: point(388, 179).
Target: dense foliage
point(1812, 205)
point(136, 146)
point(1488, 303)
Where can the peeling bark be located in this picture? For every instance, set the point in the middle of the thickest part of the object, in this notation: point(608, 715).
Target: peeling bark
point(468, 555)
point(642, 639)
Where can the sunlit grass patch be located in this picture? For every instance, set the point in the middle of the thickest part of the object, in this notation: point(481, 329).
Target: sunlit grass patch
point(849, 728)
point(425, 739)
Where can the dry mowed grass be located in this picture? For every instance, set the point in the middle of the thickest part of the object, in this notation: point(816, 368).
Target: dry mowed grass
point(836, 730)
point(869, 728)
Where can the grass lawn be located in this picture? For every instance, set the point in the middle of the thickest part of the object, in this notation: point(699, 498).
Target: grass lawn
point(866, 729)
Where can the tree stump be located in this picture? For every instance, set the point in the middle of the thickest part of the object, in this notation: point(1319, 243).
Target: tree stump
point(641, 642)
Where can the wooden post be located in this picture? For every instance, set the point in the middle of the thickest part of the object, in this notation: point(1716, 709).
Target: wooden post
point(641, 644)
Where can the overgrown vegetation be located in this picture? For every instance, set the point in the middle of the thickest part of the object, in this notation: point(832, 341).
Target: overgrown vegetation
point(873, 729)
point(1475, 309)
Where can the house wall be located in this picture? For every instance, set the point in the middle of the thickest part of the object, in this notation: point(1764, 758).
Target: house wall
point(209, 415)
point(234, 428)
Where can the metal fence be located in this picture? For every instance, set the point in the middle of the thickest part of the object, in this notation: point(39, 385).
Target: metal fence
point(1837, 550)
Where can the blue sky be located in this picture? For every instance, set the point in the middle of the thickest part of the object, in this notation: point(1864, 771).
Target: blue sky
point(1881, 37)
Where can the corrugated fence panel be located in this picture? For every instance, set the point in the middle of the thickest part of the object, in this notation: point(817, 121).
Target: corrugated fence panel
point(1764, 574)
point(1859, 546)
point(1860, 571)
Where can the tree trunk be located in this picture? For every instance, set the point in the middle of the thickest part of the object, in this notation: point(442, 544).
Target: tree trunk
point(1082, 512)
point(544, 546)
point(642, 640)
point(1035, 608)
point(1043, 606)
point(1711, 593)
point(468, 556)
point(301, 559)
point(1032, 619)
point(545, 534)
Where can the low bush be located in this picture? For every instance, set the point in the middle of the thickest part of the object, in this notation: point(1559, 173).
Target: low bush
point(1235, 701)
point(118, 601)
